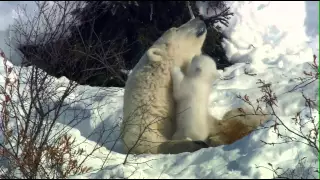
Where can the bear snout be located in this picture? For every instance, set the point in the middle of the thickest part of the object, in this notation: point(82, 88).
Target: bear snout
point(197, 25)
point(201, 29)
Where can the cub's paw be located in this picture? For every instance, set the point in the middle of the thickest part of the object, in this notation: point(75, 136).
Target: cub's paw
point(175, 70)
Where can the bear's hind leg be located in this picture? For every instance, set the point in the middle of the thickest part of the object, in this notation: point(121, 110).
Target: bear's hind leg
point(234, 126)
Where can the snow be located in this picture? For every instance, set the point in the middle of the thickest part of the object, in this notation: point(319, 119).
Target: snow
point(274, 40)
point(273, 32)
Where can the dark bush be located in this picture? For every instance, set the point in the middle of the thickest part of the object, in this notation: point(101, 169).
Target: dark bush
point(124, 28)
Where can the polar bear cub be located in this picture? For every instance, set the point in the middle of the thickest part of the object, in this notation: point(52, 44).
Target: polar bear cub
point(191, 93)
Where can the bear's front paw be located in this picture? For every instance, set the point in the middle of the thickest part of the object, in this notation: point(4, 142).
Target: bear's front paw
point(201, 143)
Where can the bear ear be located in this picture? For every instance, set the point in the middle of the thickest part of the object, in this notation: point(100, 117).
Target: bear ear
point(155, 54)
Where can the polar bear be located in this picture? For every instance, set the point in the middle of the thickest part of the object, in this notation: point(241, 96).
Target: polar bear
point(191, 93)
point(148, 107)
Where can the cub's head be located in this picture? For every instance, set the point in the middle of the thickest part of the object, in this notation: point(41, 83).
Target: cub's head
point(180, 44)
point(204, 67)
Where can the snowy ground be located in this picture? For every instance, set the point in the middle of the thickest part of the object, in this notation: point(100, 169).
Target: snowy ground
point(275, 41)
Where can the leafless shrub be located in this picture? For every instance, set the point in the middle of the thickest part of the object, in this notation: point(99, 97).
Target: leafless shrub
point(38, 110)
point(307, 132)
point(53, 42)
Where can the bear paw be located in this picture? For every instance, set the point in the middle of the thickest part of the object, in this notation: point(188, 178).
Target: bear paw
point(202, 144)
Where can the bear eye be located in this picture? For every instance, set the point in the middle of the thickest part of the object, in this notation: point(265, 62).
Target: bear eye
point(175, 29)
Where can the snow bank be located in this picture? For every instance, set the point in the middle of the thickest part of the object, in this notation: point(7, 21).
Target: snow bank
point(238, 160)
point(278, 40)
point(269, 33)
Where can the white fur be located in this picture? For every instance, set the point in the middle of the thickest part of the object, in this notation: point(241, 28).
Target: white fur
point(148, 110)
point(191, 93)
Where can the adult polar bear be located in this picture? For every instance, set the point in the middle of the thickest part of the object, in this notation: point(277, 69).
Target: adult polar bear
point(149, 110)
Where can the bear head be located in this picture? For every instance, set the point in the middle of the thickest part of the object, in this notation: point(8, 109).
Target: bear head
point(179, 45)
point(204, 67)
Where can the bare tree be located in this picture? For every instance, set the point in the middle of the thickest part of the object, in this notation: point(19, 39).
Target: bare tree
point(39, 110)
